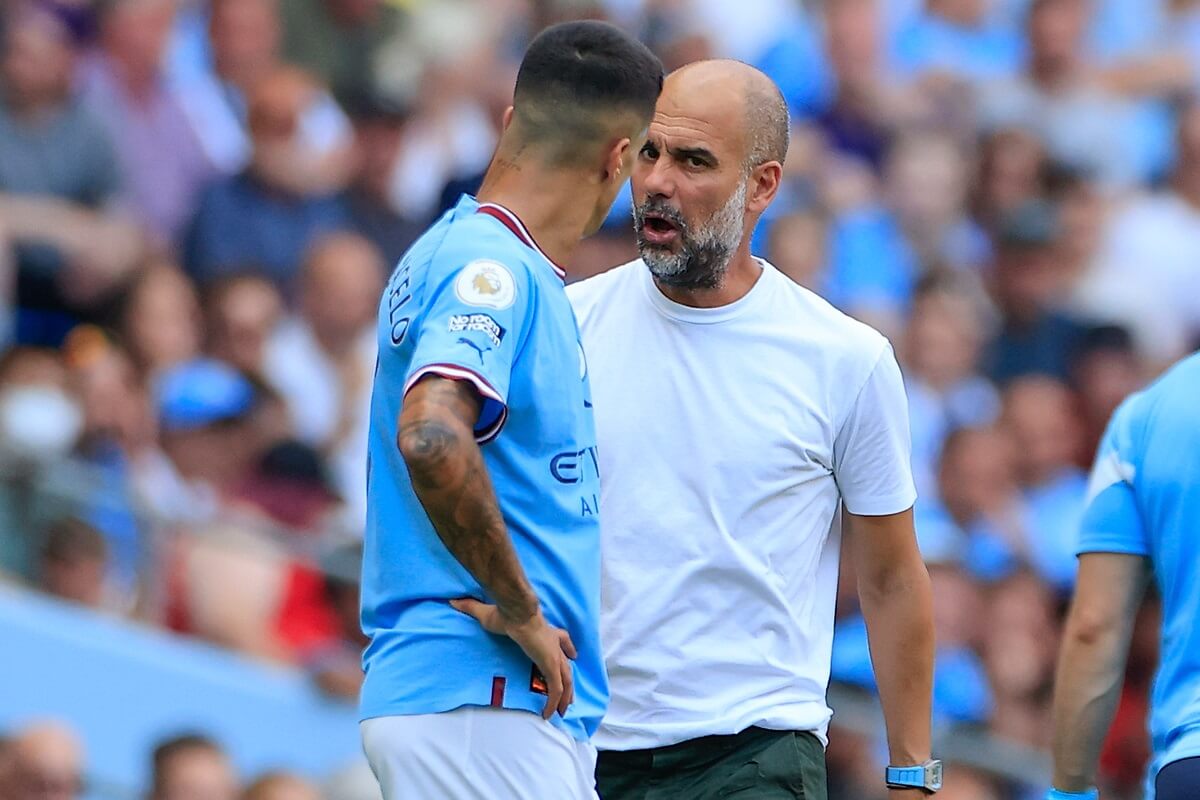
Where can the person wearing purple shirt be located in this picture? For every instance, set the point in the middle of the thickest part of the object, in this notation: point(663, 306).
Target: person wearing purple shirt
point(161, 159)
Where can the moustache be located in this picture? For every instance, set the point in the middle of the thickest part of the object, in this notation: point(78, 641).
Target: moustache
point(661, 208)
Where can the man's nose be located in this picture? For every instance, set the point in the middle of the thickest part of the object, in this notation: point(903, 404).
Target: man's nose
point(657, 179)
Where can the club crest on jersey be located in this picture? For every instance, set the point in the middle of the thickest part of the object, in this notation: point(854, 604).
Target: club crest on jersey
point(486, 283)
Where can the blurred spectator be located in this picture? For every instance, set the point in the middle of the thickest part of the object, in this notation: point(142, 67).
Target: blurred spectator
point(58, 181)
point(960, 685)
point(204, 413)
point(796, 246)
point(1012, 171)
point(858, 121)
point(45, 763)
point(1040, 414)
point(160, 320)
point(190, 767)
point(1149, 259)
point(242, 311)
point(927, 177)
point(162, 162)
point(245, 41)
point(40, 422)
point(1027, 285)
point(118, 432)
point(322, 361)
point(459, 95)
point(244, 36)
point(1106, 370)
point(339, 40)
point(248, 580)
point(75, 563)
point(1020, 648)
point(281, 786)
point(940, 352)
point(336, 663)
point(1061, 97)
point(957, 39)
point(379, 126)
point(980, 515)
point(269, 214)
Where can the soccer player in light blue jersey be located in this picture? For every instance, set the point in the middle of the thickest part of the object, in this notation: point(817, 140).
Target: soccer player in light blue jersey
point(1142, 522)
point(481, 573)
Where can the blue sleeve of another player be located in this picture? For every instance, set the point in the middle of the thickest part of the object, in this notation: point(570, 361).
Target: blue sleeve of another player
point(469, 330)
point(1112, 522)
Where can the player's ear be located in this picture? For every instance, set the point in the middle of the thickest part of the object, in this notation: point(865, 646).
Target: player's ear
point(506, 119)
point(614, 162)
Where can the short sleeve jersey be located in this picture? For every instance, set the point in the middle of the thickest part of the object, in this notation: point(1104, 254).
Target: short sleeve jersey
point(475, 299)
point(1144, 499)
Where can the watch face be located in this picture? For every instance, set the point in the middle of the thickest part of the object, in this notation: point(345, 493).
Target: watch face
point(933, 776)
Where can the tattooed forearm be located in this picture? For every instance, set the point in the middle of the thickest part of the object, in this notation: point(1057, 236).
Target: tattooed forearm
point(451, 481)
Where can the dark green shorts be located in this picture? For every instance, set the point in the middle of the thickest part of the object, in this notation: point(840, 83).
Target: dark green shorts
point(756, 764)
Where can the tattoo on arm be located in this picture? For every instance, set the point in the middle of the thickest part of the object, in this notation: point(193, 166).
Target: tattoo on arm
point(450, 479)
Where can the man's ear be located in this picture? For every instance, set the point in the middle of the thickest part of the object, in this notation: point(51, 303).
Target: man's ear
point(507, 119)
point(614, 161)
point(764, 185)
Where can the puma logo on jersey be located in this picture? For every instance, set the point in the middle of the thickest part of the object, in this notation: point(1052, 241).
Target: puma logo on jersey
point(475, 347)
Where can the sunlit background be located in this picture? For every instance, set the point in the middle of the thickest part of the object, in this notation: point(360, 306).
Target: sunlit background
point(200, 200)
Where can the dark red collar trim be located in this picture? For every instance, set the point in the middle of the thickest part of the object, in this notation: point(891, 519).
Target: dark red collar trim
point(514, 224)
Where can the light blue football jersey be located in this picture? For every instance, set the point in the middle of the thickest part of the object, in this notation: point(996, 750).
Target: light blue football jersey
point(475, 299)
point(1144, 499)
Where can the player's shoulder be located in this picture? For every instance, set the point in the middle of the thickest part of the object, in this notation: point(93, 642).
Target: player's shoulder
point(807, 315)
point(587, 294)
point(474, 252)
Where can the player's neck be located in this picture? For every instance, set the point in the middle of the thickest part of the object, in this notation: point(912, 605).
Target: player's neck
point(740, 276)
point(548, 202)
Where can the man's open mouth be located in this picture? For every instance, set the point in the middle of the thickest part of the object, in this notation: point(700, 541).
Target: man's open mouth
point(659, 230)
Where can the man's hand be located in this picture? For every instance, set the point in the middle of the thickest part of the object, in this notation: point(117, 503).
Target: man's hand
point(550, 648)
point(906, 794)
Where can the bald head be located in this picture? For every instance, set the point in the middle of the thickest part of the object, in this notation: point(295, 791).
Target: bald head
point(750, 101)
point(46, 762)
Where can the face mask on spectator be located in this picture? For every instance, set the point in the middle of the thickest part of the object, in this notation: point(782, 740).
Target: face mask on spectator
point(38, 423)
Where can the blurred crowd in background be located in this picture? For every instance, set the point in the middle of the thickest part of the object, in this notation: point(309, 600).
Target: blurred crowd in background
point(200, 201)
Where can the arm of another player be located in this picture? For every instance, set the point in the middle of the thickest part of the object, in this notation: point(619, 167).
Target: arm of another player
point(1113, 574)
point(894, 590)
point(1091, 666)
point(437, 441)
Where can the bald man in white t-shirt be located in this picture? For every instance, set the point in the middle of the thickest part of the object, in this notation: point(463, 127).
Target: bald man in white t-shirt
point(745, 427)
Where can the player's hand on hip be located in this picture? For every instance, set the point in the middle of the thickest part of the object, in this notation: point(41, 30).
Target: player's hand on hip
point(550, 648)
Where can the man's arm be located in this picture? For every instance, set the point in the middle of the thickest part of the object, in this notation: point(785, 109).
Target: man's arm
point(1091, 666)
point(437, 440)
point(894, 590)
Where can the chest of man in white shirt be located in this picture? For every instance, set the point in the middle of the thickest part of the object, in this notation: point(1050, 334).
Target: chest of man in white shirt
point(729, 438)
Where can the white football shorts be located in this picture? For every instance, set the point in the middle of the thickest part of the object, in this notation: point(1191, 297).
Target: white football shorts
point(478, 752)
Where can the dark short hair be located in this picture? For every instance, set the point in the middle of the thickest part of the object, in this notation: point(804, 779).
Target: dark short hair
point(168, 749)
point(71, 538)
point(578, 80)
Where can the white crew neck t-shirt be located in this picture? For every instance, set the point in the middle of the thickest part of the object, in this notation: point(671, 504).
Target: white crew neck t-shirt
point(728, 440)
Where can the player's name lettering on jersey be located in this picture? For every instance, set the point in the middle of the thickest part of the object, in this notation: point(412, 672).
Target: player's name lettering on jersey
point(479, 323)
point(399, 296)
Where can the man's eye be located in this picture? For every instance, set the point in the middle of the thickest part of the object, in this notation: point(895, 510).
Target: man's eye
point(649, 151)
point(695, 162)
